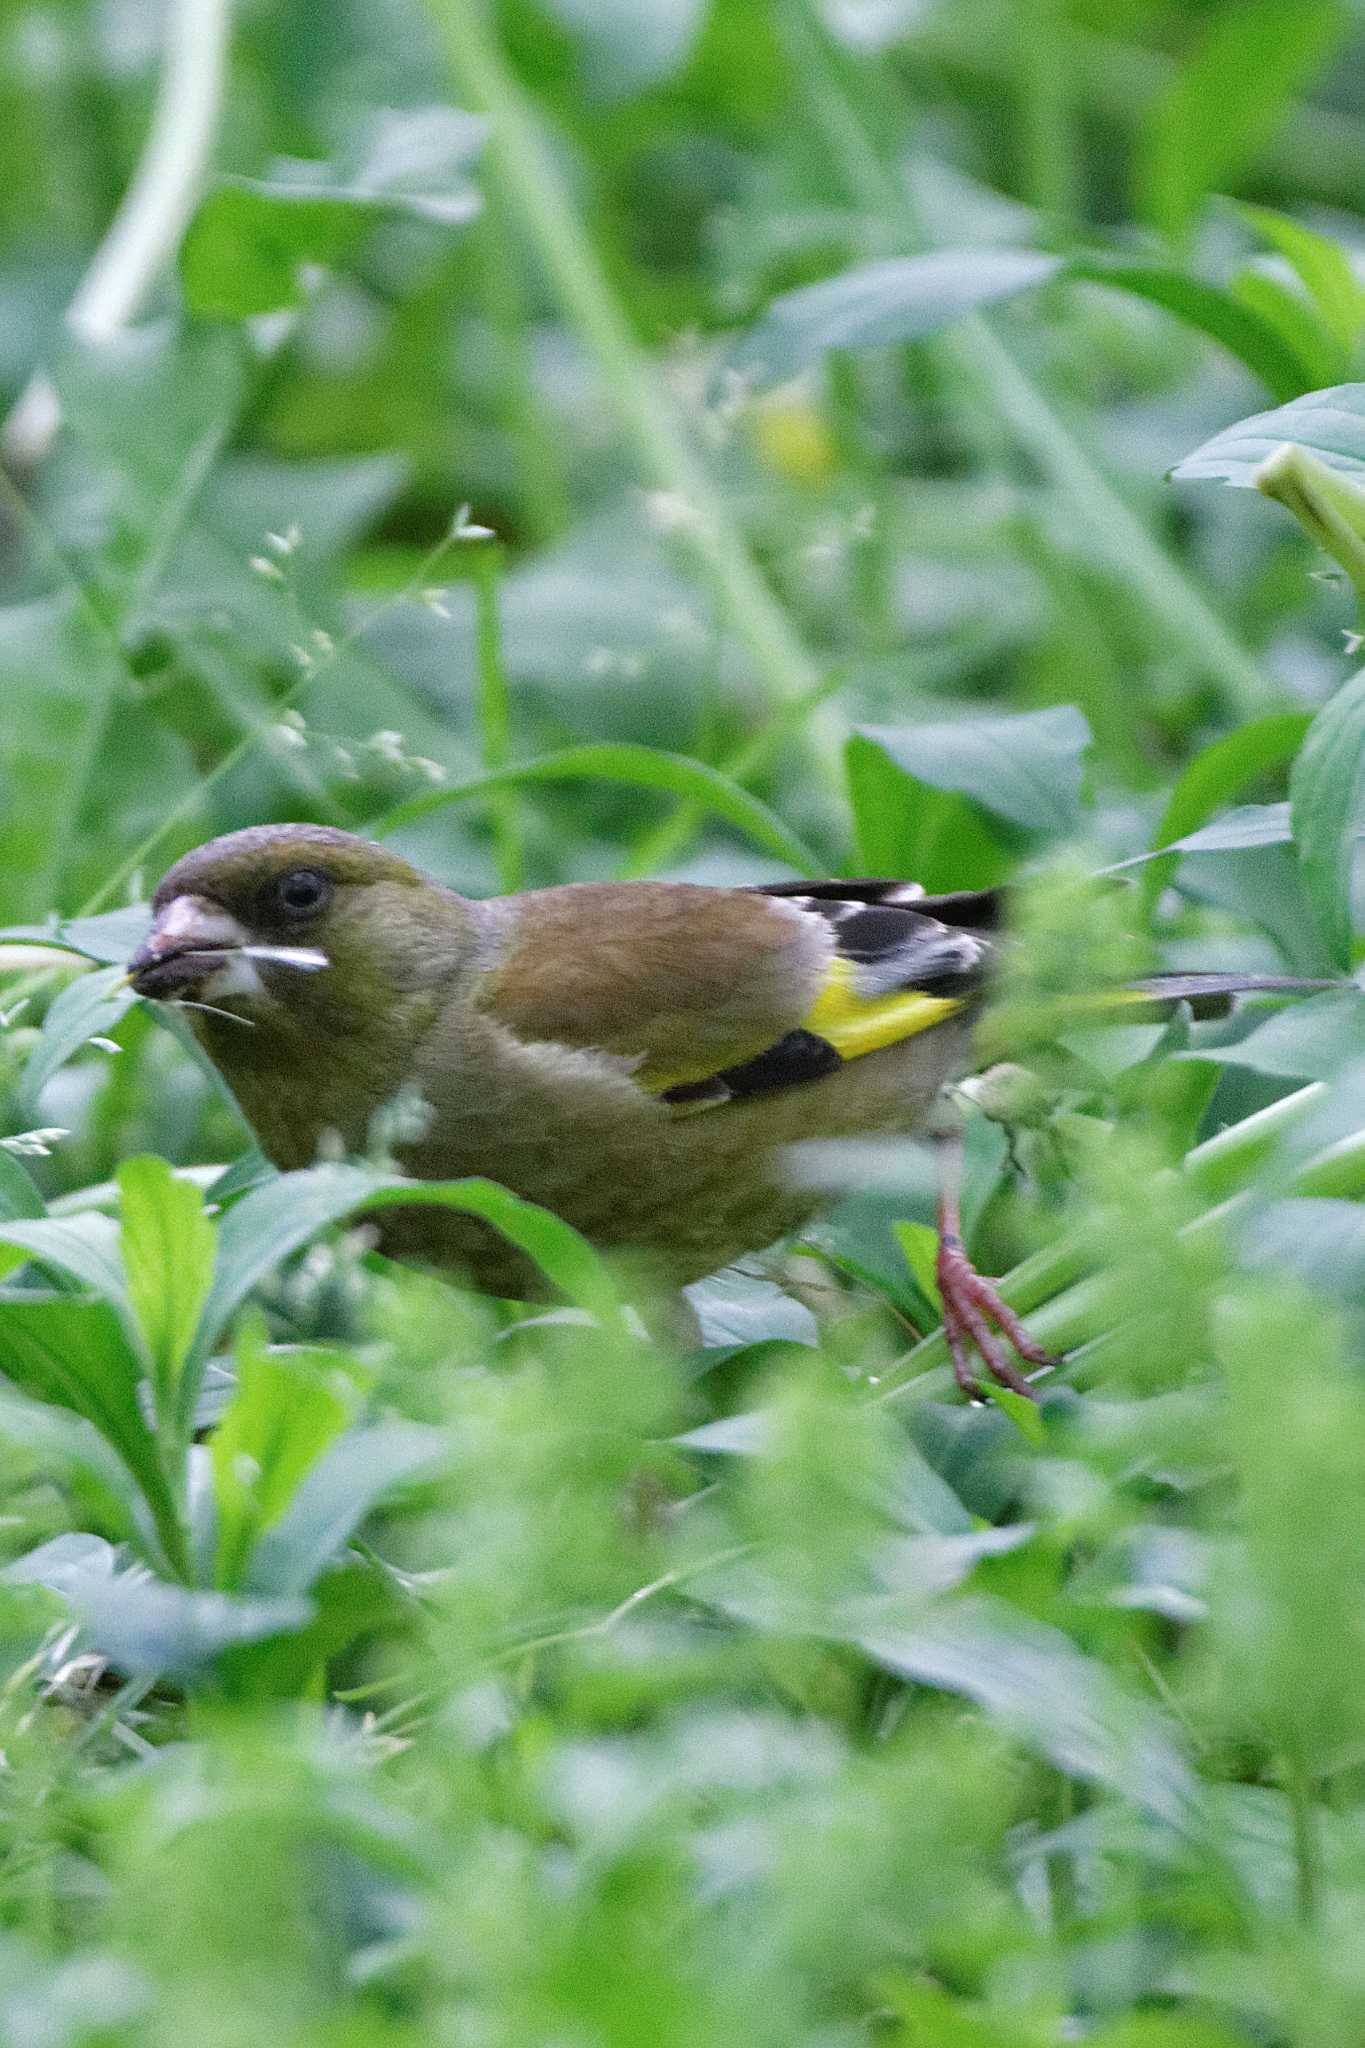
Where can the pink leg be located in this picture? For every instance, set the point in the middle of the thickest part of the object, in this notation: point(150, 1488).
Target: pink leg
point(971, 1304)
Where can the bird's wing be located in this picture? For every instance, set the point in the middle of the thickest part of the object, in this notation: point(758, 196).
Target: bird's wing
point(718, 993)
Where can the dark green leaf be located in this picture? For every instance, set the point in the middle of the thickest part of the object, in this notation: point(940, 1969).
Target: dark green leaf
point(247, 245)
point(1024, 770)
point(267, 1225)
point(1221, 314)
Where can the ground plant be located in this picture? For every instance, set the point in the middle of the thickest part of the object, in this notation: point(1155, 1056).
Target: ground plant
point(725, 440)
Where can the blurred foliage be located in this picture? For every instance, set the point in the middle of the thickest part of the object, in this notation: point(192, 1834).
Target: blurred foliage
point(710, 438)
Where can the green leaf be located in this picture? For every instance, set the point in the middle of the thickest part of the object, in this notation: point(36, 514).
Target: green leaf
point(286, 1409)
point(335, 1495)
point(1219, 772)
point(247, 246)
point(1329, 424)
point(899, 299)
point(1324, 267)
point(167, 1243)
point(1327, 801)
point(91, 1006)
point(57, 673)
point(1022, 771)
point(1319, 1239)
point(1226, 101)
point(144, 1626)
point(1284, 309)
point(109, 939)
point(919, 1242)
point(19, 1196)
point(1250, 826)
point(1222, 769)
point(273, 1221)
point(639, 768)
point(76, 1355)
point(1309, 1041)
point(82, 1248)
point(1214, 310)
point(1035, 1681)
point(1262, 886)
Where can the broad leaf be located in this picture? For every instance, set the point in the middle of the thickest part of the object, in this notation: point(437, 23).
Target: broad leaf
point(625, 47)
point(75, 1354)
point(899, 299)
point(273, 1221)
point(1217, 774)
point(285, 1410)
point(1307, 1041)
point(109, 939)
point(83, 1248)
point(1250, 826)
point(930, 799)
point(167, 1244)
point(1329, 424)
point(335, 1495)
point(1324, 268)
point(247, 248)
point(90, 1008)
point(1036, 1682)
point(143, 1625)
point(1220, 313)
point(1327, 797)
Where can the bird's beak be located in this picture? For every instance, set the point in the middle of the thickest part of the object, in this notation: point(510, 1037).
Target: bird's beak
point(191, 940)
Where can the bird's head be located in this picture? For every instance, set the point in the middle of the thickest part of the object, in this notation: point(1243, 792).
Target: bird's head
point(301, 925)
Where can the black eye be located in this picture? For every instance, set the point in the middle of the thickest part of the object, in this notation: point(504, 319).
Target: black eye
point(300, 893)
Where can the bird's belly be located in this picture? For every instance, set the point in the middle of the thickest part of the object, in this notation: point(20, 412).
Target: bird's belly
point(680, 1195)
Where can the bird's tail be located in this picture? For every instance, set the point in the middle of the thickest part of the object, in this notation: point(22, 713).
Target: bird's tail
point(1210, 995)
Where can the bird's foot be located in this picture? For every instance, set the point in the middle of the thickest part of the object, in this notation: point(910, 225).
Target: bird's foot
point(970, 1306)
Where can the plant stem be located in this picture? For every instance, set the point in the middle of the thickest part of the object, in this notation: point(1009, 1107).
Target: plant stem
point(493, 710)
point(534, 186)
point(1135, 559)
point(146, 229)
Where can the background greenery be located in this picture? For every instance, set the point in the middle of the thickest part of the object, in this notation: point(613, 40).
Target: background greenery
point(609, 437)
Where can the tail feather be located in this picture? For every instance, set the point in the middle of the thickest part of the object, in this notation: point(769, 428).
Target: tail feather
point(1210, 995)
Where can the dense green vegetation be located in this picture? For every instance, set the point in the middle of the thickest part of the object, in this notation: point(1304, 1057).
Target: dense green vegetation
point(578, 438)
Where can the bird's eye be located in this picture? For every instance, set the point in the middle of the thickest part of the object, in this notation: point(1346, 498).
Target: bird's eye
point(301, 893)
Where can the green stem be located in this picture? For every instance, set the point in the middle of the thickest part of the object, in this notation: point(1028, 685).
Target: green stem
point(1048, 170)
point(145, 231)
point(1307, 1848)
point(1316, 149)
point(534, 186)
point(1134, 558)
point(493, 710)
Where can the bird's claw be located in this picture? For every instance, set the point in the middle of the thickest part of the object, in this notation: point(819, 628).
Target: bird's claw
point(970, 1305)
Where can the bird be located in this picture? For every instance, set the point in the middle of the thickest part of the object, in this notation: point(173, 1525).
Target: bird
point(637, 1056)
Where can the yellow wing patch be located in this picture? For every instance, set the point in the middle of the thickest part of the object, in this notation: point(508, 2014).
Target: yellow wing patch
point(856, 1024)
